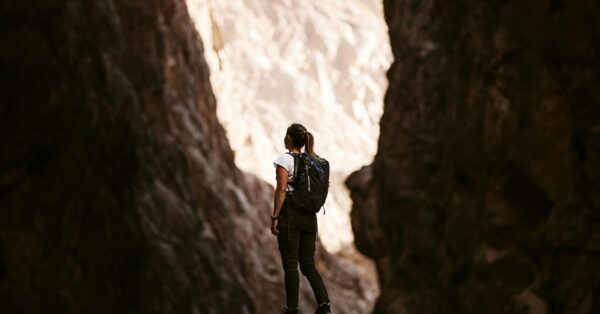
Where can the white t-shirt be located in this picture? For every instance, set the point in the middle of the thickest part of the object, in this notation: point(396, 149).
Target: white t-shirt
point(286, 161)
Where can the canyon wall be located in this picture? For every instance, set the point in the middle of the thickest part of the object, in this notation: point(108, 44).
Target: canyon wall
point(118, 188)
point(484, 194)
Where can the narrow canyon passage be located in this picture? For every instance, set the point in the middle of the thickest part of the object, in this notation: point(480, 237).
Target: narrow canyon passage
point(318, 63)
point(124, 187)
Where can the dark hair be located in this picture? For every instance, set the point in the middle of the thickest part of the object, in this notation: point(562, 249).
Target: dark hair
point(301, 137)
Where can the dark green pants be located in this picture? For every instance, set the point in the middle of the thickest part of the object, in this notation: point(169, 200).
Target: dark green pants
point(299, 248)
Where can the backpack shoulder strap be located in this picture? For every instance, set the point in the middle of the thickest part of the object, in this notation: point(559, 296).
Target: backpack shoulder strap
point(293, 183)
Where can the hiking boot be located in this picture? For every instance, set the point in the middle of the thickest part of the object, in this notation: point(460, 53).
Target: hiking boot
point(288, 311)
point(324, 309)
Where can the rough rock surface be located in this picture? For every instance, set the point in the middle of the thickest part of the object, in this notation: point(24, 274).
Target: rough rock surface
point(118, 189)
point(484, 194)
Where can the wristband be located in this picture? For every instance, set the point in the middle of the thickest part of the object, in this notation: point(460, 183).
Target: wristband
point(274, 217)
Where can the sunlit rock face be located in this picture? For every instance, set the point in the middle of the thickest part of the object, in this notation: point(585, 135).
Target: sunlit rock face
point(484, 194)
point(319, 63)
point(118, 188)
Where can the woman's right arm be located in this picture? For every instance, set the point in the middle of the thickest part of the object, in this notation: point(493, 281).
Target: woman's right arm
point(279, 197)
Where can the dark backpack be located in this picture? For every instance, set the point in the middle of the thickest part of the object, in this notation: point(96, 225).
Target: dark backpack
point(311, 182)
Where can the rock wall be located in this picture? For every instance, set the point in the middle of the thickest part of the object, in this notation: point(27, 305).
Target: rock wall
point(118, 189)
point(484, 194)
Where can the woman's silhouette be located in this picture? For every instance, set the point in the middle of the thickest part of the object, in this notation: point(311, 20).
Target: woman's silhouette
point(296, 231)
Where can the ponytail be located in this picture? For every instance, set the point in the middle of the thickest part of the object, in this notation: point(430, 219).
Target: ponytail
point(301, 137)
point(309, 143)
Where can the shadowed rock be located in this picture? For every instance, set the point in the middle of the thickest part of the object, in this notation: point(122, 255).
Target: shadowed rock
point(118, 190)
point(484, 193)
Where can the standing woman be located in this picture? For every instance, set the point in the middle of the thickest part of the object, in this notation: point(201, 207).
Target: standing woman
point(297, 245)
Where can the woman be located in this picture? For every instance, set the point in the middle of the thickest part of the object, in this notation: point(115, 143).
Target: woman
point(296, 231)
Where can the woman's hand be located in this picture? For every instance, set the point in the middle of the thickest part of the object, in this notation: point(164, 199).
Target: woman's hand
point(274, 223)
